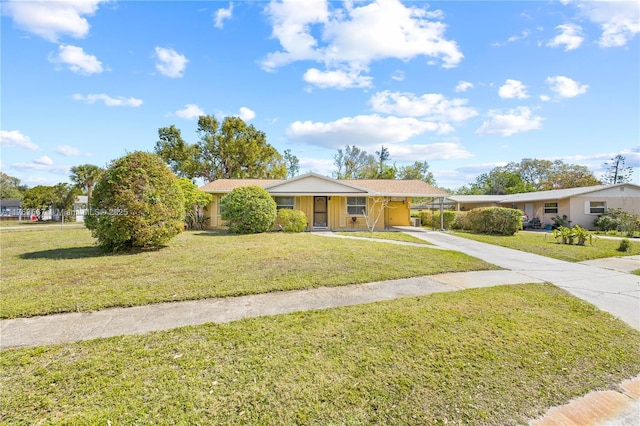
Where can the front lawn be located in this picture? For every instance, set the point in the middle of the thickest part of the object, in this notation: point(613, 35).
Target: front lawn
point(49, 270)
point(498, 355)
point(392, 236)
point(544, 244)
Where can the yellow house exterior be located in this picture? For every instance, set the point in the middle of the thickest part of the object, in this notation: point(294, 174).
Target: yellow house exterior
point(331, 204)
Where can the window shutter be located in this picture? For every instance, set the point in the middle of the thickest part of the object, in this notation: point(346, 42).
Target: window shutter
point(587, 207)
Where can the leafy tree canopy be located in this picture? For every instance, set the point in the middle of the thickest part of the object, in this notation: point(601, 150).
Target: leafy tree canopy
point(85, 176)
point(39, 199)
point(10, 187)
point(232, 149)
point(530, 175)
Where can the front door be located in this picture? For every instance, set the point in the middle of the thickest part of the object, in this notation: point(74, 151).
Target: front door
point(319, 212)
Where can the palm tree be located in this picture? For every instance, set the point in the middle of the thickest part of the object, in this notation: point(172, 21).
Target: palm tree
point(85, 176)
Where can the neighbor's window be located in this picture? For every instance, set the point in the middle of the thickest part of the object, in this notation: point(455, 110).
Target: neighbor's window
point(597, 207)
point(284, 202)
point(551, 208)
point(356, 205)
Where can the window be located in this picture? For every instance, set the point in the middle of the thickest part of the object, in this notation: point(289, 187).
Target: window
point(356, 205)
point(551, 208)
point(284, 202)
point(597, 207)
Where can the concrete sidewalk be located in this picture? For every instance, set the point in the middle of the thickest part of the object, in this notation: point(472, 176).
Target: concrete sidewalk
point(64, 328)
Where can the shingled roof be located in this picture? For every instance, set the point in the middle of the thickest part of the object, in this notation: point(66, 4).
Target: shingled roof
point(386, 187)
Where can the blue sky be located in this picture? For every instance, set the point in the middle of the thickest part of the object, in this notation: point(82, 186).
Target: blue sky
point(463, 85)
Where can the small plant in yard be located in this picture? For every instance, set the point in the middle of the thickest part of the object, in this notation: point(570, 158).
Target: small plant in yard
point(291, 220)
point(569, 235)
point(559, 221)
point(624, 246)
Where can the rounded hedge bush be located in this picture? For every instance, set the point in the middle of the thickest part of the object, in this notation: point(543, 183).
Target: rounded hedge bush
point(137, 203)
point(291, 220)
point(248, 210)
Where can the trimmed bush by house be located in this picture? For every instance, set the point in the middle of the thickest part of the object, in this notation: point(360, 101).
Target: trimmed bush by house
point(493, 220)
point(431, 219)
point(248, 210)
point(137, 203)
point(291, 220)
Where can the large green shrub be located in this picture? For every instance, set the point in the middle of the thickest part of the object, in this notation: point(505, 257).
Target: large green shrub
point(137, 203)
point(291, 220)
point(248, 210)
point(493, 220)
point(431, 219)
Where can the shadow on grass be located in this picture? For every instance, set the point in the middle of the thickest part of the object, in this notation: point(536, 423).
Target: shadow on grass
point(82, 253)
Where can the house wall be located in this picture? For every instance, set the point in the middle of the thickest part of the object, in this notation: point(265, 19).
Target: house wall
point(397, 214)
point(627, 200)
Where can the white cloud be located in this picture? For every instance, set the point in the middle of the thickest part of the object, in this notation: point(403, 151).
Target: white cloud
point(222, 15)
point(462, 86)
point(429, 152)
point(515, 121)
point(77, 60)
point(15, 139)
point(362, 130)
point(433, 106)
point(41, 165)
point(521, 36)
point(391, 30)
point(565, 87)
point(513, 89)
point(246, 114)
point(51, 19)
point(570, 37)
point(618, 20)
point(108, 100)
point(339, 79)
point(398, 75)
point(545, 98)
point(190, 111)
point(68, 151)
point(44, 161)
point(170, 63)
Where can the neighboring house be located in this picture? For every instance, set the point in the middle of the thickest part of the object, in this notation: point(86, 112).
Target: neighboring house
point(582, 206)
point(330, 203)
point(11, 209)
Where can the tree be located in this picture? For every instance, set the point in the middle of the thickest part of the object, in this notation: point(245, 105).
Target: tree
point(137, 203)
point(64, 197)
point(194, 201)
point(85, 177)
point(248, 210)
point(292, 163)
point(231, 150)
point(384, 170)
point(419, 170)
point(39, 199)
point(353, 163)
point(10, 187)
point(616, 171)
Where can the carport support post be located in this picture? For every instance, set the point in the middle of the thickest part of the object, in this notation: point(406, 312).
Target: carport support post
point(442, 213)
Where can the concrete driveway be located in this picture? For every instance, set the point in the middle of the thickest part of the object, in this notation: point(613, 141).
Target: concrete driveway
point(601, 283)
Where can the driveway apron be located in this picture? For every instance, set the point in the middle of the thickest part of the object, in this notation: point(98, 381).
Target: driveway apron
point(615, 292)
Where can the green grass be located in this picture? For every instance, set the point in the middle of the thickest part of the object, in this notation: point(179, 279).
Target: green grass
point(636, 272)
point(50, 270)
point(392, 236)
point(544, 244)
point(493, 356)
